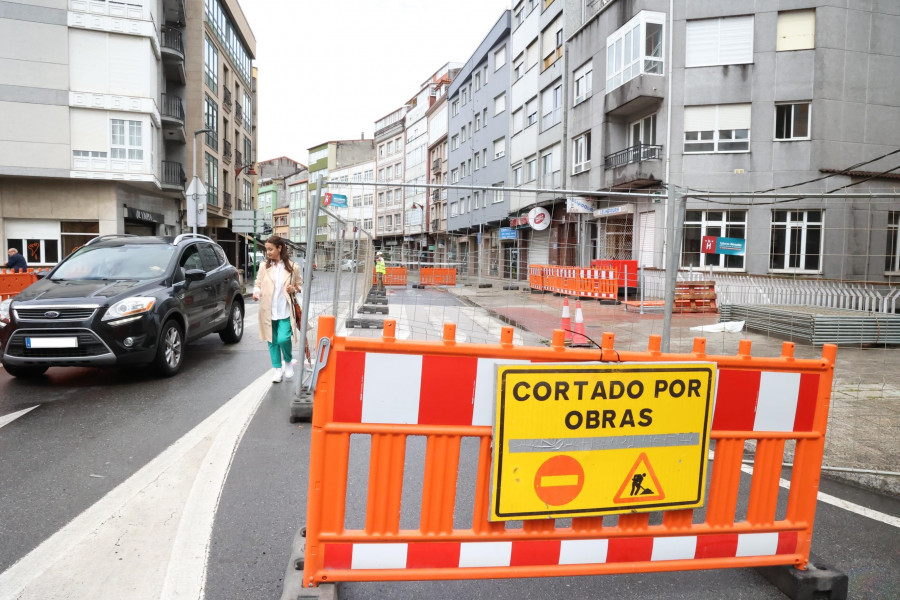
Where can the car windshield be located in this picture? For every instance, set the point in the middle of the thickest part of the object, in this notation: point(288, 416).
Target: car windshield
point(116, 262)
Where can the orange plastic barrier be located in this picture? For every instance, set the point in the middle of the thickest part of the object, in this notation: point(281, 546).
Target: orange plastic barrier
point(620, 266)
point(596, 283)
point(437, 276)
point(536, 276)
point(12, 283)
point(393, 276)
point(568, 281)
point(446, 395)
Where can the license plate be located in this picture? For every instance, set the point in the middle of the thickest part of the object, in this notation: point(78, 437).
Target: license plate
point(51, 342)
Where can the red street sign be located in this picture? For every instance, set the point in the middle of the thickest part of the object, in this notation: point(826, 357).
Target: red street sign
point(327, 200)
point(559, 480)
point(708, 244)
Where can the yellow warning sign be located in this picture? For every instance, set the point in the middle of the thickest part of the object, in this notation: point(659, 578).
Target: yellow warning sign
point(589, 439)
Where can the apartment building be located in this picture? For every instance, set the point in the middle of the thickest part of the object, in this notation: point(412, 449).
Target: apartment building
point(360, 209)
point(390, 133)
point(478, 129)
point(298, 202)
point(745, 101)
point(437, 115)
point(99, 100)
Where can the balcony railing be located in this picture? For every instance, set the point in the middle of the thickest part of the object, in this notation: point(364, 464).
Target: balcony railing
point(212, 139)
point(171, 38)
point(226, 99)
point(172, 106)
point(239, 158)
point(435, 194)
point(238, 113)
point(226, 151)
point(436, 165)
point(173, 173)
point(227, 202)
point(638, 153)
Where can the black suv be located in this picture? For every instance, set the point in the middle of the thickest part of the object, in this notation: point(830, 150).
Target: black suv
point(123, 300)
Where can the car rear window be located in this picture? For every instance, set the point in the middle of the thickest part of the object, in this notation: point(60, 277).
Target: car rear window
point(129, 261)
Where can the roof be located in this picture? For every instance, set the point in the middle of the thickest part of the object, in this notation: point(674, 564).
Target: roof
point(866, 174)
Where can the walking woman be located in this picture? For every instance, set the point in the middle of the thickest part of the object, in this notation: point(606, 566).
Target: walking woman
point(277, 279)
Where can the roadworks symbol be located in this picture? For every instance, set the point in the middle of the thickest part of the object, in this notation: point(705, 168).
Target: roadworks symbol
point(641, 484)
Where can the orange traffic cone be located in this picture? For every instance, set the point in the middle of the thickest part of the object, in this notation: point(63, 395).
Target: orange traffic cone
point(579, 338)
point(566, 321)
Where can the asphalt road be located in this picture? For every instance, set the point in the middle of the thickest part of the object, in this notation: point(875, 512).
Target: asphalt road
point(94, 432)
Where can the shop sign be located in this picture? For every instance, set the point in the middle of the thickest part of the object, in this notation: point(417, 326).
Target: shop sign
point(508, 233)
point(143, 215)
point(574, 204)
point(614, 211)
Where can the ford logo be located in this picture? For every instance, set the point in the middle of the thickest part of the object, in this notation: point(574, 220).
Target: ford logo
point(51, 314)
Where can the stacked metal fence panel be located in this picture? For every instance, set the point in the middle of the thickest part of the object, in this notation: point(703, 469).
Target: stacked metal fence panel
point(817, 325)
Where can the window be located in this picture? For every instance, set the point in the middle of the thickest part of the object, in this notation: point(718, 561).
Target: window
point(454, 176)
point(531, 112)
point(381, 151)
point(531, 170)
point(635, 49)
point(211, 179)
point(477, 161)
point(551, 106)
point(499, 104)
point(551, 42)
point(248, 113)
point(547, 168)
point(499, 195)
point(73, 235)
point(369, 175)
point(462, 134)
point(464, 96)
point(477, 201)
point(454, 209)
point(796, 240)
point(211, 111)
point(477, 81)
point(477, 121)
point(518, 121)
point(500, 148)
point(532, 55)
point(723, 41)
point(581, 153)
point(796, 30)
point(398, 170)
point(792, 121)
point(583, 78)
point(499, 58)
point(724, 128)
point(454, 108)
point(126, 140)
point(518, 68)
point(211, 65)
point(643, 131)
point(517, 175)
point(398, 144)
point(718, 223)
point(892, 252)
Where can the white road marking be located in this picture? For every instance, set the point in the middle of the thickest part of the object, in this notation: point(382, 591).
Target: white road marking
point(834, 501)
point(7, 419)
point(149, 537)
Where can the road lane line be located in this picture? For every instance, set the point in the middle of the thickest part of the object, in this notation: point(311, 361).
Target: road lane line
point(835, 501)
point(7, 419)
point(130, 542)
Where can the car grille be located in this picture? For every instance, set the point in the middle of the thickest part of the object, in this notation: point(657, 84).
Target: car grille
point(77, 313)
point(88, 345)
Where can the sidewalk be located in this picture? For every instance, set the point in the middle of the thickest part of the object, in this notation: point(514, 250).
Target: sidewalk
point(864, 419)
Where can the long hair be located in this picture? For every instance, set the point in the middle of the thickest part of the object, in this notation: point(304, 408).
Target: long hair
point(278, 242)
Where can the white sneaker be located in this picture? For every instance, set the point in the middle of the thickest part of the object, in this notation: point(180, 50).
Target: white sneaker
point(289, 369)
point(276, 376)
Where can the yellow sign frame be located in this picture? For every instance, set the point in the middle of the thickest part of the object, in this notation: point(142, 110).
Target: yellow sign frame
point(576, 439)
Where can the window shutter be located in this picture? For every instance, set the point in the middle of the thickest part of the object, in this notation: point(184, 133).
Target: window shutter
point(736, 40)
point(699, 118)
point(796, 30)
point(734, 116)
point(702, 43)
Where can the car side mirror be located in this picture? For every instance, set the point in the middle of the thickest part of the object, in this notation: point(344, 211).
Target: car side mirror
point(195, 274)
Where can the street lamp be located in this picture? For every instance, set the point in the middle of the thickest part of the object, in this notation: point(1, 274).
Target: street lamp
point(194, 179)
point(237, 173)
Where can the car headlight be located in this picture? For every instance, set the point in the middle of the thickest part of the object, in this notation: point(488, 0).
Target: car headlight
point(4, 312)
point(130, 307)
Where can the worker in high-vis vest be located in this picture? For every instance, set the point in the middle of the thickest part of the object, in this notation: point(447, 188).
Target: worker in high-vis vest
point(380, 270)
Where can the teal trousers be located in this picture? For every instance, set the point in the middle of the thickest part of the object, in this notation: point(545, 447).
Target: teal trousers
point(280, 346)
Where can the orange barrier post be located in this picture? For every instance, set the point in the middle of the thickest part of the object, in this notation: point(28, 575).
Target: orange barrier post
point(536, 277)
point(392, 276)
point(566, 324)
point(427, 276)
point(11, 283)
point(447, 394)
point(579, 339)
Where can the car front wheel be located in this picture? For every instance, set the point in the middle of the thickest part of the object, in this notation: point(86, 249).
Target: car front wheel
point(170, 351)
point(25, 372)
point(234, 328)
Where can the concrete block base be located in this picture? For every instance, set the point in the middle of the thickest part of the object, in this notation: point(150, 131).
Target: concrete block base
point(817, 582)
point(301, 407)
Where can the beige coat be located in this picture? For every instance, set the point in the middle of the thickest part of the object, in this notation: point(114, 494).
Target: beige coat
point(266, 285)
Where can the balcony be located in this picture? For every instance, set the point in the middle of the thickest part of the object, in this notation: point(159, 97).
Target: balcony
point(226, 204)
point(436, 165)
point(633, 167)
point(172, 47)
point(435, 195)
point(173, 12)
point(226, 152)
point(238, 113)
point(226, 99)
point(173, 177)
point(171, 112)
point(212, 140)
point(239, 158)
point(641, 95)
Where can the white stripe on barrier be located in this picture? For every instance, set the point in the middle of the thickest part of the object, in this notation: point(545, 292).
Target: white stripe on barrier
point(485, 554)
point(402, 375)
point(379, 556)
point(776, 407)
point(674, 548)
point(757, 544)
point(582, 552)
point(485, 400)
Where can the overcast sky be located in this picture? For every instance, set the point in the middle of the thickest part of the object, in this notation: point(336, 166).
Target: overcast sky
point(328, 70)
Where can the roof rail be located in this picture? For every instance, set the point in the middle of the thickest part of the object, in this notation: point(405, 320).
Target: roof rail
point(184, 236)
point(100, 238)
